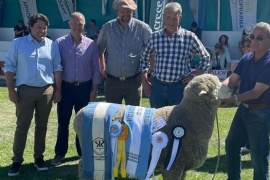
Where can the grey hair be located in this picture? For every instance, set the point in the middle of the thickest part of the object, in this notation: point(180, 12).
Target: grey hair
point(174, 6)
point(263, 25)
point(75, 15)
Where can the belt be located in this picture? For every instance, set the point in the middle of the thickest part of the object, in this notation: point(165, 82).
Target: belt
point(122, 78)
point(256, 106)
point(166, 83)
point(36, 86)
point(76, 83)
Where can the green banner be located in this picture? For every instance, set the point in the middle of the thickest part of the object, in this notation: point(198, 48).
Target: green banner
point(156, 14)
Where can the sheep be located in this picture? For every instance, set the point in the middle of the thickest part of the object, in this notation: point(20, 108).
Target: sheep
point(196, 113)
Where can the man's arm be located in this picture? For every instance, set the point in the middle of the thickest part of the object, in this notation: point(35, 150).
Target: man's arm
point(102, 65)
point(58, 86)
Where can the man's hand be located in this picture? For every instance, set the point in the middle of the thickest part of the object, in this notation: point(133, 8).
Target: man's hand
point(93, 95)
point(57, 96)
point(146, 84)
point(104, 73)
point(13, 96)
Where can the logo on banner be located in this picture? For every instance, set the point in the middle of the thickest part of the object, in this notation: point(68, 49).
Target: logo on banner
point(158, 19)
point(99, 146)
point(156, 14)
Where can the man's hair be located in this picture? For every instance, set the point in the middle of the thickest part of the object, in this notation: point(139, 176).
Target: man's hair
point(174, 6)
point(75, 15)
point(93, 21)
point(263, 25)
point(194, 24)
point(33, 19)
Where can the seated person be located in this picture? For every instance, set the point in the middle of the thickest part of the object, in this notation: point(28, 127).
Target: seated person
point(93, 31)
point(221, 58)
point(245, 45)
point(224, 40)
point(20, 29)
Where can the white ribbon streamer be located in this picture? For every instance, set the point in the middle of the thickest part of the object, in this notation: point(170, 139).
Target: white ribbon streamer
point(174, 152)
point(178, 133)
point(159, 141)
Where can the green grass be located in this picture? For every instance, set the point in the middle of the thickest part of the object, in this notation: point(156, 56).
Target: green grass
point(68, 169)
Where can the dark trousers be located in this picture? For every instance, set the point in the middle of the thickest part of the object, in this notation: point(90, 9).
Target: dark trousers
point(75, 97)
point(129, 90)
point(248, 125)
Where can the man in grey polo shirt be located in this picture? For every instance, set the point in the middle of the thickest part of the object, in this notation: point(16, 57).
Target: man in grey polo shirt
point(123, 39)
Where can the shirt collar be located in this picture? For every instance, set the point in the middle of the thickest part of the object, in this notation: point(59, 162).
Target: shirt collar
point(30, 38)
point(180, 31)
point(71, 40)
point(129, 23)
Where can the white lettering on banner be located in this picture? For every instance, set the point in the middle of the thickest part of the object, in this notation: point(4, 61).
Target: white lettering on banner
point(158, 18)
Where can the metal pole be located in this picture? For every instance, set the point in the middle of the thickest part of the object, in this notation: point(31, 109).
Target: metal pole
point(218, 16)
point(75, 5)
point(143, 9)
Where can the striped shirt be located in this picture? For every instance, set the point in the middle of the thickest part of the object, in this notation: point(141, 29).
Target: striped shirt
point(123, 46)
point(173, 54)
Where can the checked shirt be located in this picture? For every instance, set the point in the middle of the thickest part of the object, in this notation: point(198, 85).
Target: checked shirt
point(173, 55)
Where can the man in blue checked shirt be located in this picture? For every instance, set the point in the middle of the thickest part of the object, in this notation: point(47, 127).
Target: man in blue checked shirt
point(173, 47)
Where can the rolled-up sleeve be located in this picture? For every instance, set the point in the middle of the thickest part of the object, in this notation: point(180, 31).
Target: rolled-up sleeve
point(145, 57)
point(101, 41)
point(56, 57)
point(96, 79)
point(11, 58)
point(200, 51)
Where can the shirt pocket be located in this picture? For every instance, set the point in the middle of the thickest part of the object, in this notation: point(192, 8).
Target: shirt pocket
point(136, 47)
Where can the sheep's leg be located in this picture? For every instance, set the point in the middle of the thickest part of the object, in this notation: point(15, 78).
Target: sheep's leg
point(183, 177)
point(176, 174)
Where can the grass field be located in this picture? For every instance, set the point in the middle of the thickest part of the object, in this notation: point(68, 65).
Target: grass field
point(68, 169)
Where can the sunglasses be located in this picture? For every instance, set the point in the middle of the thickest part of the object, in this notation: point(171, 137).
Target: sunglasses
point(246, 46)
point(257, 38)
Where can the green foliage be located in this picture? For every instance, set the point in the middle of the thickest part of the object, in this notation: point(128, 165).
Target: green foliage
point(68, 169)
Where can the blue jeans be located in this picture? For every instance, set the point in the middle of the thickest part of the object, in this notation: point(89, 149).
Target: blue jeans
point(165, 94)
point(75, 97)
point(248, 125)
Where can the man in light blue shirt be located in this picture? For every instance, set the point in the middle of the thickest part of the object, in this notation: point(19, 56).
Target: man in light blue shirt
point(36, 62)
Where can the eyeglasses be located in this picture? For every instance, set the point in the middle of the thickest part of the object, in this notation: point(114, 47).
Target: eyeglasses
point(246, 46)
point(258, 37)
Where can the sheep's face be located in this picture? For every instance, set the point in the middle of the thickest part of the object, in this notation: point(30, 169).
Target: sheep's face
point(203, 88)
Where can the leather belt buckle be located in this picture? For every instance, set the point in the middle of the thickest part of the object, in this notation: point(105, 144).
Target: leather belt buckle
point(122, 78)
point(76, 83)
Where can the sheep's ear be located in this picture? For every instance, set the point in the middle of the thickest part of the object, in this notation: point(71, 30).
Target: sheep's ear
point(202, 92)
